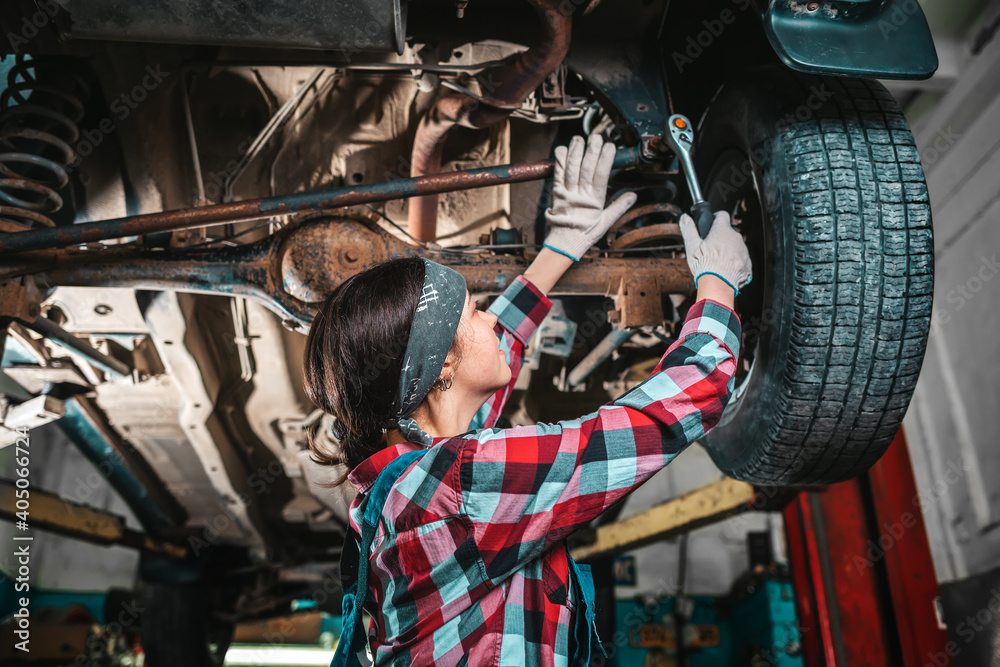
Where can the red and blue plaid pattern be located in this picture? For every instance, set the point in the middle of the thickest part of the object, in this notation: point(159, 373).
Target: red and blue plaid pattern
point(468, 566)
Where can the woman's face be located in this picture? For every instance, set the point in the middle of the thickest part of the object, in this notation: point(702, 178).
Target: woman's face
point(483, 368)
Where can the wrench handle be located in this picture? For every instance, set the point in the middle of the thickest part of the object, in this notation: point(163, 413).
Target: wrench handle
point(703, 217)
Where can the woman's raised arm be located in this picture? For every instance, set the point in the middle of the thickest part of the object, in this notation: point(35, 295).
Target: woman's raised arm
point(526, 488)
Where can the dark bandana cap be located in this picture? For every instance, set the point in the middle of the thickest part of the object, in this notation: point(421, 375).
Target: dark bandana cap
point(435, 323)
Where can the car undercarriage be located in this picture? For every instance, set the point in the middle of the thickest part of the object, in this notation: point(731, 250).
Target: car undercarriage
point(183, 186)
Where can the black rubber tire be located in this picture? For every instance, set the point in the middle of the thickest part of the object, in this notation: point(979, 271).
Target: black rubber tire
point(177, 628)
point(837, 316)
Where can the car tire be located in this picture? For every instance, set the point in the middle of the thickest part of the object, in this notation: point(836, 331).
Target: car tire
point(823, 179)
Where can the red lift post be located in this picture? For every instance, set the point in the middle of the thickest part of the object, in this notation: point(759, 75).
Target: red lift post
point(866, 592)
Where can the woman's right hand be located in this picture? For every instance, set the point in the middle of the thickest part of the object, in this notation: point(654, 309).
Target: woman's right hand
point(722, 253)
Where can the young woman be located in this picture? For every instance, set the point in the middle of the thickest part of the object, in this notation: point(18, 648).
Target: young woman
point(462, 540)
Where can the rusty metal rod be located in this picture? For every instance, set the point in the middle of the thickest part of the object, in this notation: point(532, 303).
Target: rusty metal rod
point(65, 339)
point(256, 209)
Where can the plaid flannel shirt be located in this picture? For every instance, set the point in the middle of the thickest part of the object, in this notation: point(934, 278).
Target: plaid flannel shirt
point(468, 565)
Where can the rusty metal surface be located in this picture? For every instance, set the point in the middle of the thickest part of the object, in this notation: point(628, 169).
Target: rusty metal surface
point(638, 212)
point(16, 219)
point(290, 271)
point(531, 68)
point(20, 298)
point(637, 301)
point(648, 233)
point(513, 85)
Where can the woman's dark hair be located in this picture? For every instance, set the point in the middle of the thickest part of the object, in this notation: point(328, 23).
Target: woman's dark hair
point(354, 356)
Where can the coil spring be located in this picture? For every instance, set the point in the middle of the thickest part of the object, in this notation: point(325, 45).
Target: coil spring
point(39, 115)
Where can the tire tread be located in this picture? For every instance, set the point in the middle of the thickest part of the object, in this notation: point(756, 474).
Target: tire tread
point(863, 286)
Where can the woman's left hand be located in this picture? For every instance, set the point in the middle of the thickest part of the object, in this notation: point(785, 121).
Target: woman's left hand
point(577, 218)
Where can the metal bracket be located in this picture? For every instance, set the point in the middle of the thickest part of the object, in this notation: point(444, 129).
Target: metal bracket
point(20, 298)
point(638, 304)
point(30, 414)
point(555, 336)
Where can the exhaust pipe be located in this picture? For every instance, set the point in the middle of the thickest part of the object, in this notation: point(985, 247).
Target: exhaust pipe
point(515, 84)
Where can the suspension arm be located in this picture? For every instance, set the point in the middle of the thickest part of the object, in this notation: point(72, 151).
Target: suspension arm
point(291, 271)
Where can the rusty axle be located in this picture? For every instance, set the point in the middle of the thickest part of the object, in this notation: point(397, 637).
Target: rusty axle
point(256, 209)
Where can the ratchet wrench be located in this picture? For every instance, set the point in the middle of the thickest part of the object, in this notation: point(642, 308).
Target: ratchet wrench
point(679, 135)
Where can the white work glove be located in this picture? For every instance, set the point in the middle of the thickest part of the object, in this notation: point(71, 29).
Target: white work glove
point(722, 253)
point(577, 217)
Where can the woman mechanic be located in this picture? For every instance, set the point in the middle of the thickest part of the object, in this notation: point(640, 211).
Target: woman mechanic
point(461, 524)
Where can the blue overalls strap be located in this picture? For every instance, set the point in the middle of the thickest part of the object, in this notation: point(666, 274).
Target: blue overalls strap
point(354, 561)
point(584, 627)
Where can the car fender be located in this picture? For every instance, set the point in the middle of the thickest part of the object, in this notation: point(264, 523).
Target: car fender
point(886, 39)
